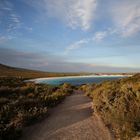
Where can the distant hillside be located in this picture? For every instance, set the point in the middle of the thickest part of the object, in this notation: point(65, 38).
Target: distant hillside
point(8, 71)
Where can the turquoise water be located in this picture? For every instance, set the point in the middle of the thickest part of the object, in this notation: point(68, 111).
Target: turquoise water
point(76, 80)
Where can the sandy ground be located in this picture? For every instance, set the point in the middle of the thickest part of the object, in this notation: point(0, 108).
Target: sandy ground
point(70, 120)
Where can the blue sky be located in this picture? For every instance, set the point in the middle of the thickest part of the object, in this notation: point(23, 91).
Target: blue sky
point(71, 35)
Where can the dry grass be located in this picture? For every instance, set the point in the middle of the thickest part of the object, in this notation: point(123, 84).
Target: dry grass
point(118, 102)
point(23, 103)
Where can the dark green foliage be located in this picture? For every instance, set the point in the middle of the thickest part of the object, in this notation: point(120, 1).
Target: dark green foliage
point(23, 103)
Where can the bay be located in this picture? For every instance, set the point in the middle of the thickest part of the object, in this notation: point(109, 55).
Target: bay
point(77, 80)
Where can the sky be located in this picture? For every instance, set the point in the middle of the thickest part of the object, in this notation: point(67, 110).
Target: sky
point(71, 35)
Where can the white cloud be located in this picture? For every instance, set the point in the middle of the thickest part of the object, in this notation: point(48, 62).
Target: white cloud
point(100, 35)
point(76, 45)
point(14, 22)
point(74, 13)
point(12, 18)
point(126, 16)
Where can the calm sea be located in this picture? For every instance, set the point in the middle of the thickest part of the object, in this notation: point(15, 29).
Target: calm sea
point(76, 80)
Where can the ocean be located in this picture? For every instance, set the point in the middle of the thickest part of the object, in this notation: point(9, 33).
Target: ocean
point(77, 80)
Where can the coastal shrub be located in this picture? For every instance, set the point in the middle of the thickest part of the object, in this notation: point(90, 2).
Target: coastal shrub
point(23, 103)
point(118, 102)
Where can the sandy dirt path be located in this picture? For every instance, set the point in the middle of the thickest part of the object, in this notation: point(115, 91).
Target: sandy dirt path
point(70, 120)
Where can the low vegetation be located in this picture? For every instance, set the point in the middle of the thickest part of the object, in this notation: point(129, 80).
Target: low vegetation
point(23, 103)
point(118, 102)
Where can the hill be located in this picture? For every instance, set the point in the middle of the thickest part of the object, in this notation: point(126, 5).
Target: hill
point(8, 71)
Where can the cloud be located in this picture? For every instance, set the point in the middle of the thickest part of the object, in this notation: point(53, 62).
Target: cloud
point(74, 13)
point(6, 5)
point(76, 45)
point(32, 60)
point(4, 39)
point(111, 68)
point(50, 62)
point(12, 18)
point(126, 17)
point(14, 22)
point(22, 58)
point(100, 35)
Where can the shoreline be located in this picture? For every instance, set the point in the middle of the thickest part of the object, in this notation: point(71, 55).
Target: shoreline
point(37, 80)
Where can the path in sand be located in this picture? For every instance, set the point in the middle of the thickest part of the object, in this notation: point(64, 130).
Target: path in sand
point(70, 120)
